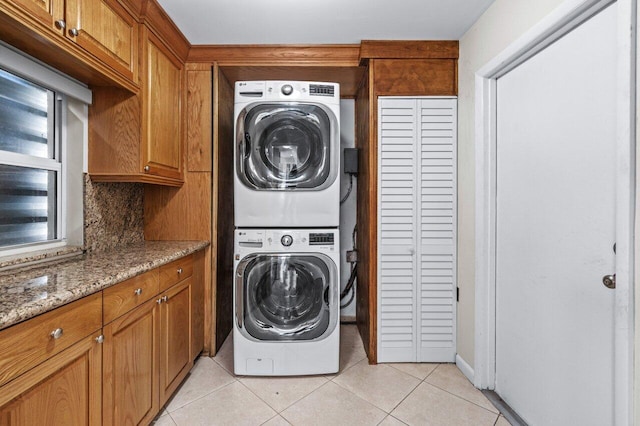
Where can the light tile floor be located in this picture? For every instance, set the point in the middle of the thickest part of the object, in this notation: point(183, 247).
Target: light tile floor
point(360, 394)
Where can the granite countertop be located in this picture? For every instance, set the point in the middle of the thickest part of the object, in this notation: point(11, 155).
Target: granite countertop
point(31, 290)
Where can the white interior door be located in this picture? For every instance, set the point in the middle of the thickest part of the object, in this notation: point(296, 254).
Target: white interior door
point(556, 135)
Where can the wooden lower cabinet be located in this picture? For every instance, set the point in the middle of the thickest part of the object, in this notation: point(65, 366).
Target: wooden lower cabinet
point(62, 368)
point(147, 354)
point(175, 359)
point(130, 365)
point(64, 390)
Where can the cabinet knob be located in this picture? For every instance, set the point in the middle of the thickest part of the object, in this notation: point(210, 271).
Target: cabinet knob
point(146, 168)
point(60, 24)
point(165, 299)
point(57, 333)
point(137, 291)
point(159, 301)
point(100, 338)
point(179, 271)
point(74, 32)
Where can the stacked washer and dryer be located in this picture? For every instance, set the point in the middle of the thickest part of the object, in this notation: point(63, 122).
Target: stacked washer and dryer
point(287, 212)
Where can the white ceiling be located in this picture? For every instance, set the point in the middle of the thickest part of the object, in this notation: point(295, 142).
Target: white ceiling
point(322, 21)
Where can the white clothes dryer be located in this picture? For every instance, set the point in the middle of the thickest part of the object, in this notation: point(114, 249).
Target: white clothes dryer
point(287, 154)
point(286, 302)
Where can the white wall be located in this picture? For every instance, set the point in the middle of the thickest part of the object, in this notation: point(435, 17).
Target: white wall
point(496, 29)
point(348, 209)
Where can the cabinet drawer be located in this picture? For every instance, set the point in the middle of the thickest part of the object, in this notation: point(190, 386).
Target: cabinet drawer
point(128, 294)
point(175, 272)
point(29, 343)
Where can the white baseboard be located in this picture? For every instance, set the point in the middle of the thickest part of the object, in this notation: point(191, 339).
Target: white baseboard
point(466, 369)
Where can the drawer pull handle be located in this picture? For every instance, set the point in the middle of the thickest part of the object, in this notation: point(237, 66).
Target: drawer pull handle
point(137, 291)
point(179, 271)
point(57, 333)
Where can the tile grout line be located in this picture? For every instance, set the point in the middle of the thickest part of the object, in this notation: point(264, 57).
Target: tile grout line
point(405, 397)
point(306, 396)
point(296, 401)
point(258, 396)
point(419, 378)
point(361, 398)
point(454, 394)
point(198, 399)
point(460, 397)
point(165, 407)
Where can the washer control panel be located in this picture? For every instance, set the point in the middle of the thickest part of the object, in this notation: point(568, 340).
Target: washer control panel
point(324, 240)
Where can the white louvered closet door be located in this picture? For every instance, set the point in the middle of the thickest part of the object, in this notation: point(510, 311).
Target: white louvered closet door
point(416, 229)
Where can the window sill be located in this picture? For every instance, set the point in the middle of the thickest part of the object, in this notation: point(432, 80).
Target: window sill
point(35, 257)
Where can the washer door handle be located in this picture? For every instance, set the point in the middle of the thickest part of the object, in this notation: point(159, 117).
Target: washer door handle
point(239, 297)
point(247, 145)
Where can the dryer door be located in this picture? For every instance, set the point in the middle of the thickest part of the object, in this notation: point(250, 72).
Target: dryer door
point(286, 296)
point(286, 147)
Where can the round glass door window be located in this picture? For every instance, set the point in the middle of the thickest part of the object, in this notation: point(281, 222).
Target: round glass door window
point(286, 297)
point(285, 147)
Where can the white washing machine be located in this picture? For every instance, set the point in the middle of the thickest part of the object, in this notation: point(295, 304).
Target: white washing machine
point(287, 154)
point(286, 302)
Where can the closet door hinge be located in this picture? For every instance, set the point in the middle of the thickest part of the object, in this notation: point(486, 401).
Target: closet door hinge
point(457, 294)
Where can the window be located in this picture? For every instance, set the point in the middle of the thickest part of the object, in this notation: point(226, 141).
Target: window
point(30, 163)
point(41, 158)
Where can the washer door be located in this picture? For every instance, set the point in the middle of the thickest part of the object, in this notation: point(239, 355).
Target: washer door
point(285, 296)
point(286, 147)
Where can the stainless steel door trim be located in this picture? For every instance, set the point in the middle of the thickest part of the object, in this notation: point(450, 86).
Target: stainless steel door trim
point(241, 151)
point(333, 279)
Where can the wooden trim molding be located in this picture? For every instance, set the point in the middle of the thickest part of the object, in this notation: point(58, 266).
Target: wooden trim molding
point(336, 55)
point(163, 26)
point(409, 49)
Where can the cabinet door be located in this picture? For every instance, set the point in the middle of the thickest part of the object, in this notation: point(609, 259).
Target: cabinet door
point(130, 378)
point(44, 12)
point(417, 230)
point(106, 30)
point(64, 390)
point(436, 283)
point(175, 350)
point(162, 106)
point(397, 190)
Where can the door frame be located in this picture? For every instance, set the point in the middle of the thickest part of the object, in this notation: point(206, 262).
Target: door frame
point(569, 15)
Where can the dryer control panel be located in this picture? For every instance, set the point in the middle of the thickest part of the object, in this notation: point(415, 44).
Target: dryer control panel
point(294, 91)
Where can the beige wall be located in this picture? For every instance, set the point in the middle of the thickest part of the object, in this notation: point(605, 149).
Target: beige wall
point(496, 29)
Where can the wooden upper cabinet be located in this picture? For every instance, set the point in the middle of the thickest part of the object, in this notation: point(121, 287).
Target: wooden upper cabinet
point(162, 110)
point(139, 138)
point(44, 12)
point(106, 30)
point(95, 41)
point(415, 77)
